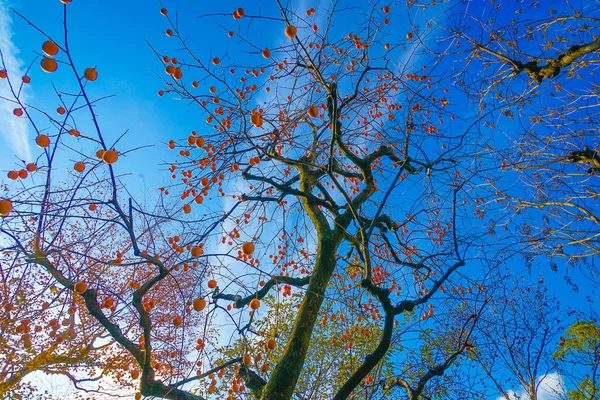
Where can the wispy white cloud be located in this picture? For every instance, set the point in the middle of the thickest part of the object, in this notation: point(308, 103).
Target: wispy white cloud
point(13, 131)
point(549, 387)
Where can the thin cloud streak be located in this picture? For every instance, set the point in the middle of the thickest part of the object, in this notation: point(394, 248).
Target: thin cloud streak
point(13, 131)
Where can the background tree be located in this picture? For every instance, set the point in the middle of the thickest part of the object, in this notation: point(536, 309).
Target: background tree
point(579, 354)
point(515, 337)
point(533, 79)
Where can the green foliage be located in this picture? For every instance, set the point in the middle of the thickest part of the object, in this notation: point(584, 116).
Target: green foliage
point(587, 390)
point(339, 344)
point(581, 340)
point(580, 346)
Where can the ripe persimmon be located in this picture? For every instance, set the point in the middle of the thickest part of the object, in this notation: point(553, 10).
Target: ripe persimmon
point(187, 208)
point(197, 251)
point(177, 321)
point(90, 74)
point(79, 166)
point(211, 284)
point(50, 48)
point(26, 79)
point(271, 343)
point(290, 31)
point(18, 112)
point(23, 174)
point(248, 248)
point(31, 167)
point(100, 153)
point(5, 207)
point(74, 132)
point(199, 304)
point(61, 110)
point(49, 65)
point(256, 120)
point(110, 156)
point(254, 304)
point(266, 53)
point(178, 74)
point(163, 11)
point(216, 60)
point(313, 111)
point(80, 287)
point(3, 74)
point(42, 141)
point(13, 175)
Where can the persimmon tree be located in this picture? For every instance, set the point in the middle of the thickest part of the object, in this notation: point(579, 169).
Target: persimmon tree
point(328, 172)
point(533, 78)
point(518, 331)
point(320, 165)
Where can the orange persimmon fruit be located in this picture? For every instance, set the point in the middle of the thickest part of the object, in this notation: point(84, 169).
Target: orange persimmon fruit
point(254, 304)
point(90, 74)
point(199, 304)
point(42, 141)
point(290, 31)
point(50, 48)
point(110, 156)
point(79, 166)
point(248, 248)
point(80, 287)
point(49, 65)
point(5, 207)
point(196, 251)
